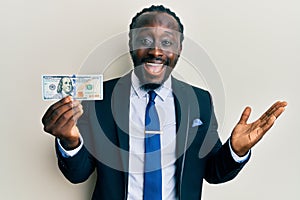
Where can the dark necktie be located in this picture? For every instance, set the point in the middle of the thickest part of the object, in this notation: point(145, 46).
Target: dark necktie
point(152, 173)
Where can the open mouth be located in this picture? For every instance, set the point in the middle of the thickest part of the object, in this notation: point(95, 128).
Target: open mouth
point(154, 68)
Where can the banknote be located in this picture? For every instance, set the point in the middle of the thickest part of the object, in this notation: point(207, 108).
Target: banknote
point(80, 87)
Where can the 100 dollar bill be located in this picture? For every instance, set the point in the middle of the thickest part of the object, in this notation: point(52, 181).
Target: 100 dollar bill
point(81, 87)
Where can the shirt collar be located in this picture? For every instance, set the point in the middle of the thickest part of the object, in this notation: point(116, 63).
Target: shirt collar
point(163, 92)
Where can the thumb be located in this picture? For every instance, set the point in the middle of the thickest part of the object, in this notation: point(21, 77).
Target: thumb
point(245, 115)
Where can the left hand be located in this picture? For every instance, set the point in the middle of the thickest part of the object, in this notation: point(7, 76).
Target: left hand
point(244, 136)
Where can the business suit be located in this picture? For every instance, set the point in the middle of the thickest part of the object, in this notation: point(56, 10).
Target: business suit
point(104, 127)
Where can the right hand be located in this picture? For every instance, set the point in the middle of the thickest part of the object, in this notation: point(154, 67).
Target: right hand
point(60, 121)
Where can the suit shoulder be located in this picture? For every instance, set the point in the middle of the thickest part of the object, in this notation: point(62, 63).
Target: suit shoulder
point(199, 91)
point(110, 83)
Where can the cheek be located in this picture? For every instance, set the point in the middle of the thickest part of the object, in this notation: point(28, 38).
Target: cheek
point(137, 56)
point(140, 53)
point(173, 59)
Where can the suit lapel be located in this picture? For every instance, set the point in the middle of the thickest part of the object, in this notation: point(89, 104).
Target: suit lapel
point(120, 109)
point(182, 110)
point(182, 118)
point(186, 108)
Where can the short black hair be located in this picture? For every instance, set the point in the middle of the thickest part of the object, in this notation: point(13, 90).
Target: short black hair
point(161, 9)
point(154, 8)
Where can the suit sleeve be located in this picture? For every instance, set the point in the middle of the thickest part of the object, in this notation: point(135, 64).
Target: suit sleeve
point(79, 167)
point(220, 165)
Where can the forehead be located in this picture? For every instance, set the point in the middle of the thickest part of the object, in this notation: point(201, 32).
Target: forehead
point(157, 19)
point(66, 79)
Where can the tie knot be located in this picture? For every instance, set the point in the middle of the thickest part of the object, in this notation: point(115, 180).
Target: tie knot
point(152, 95)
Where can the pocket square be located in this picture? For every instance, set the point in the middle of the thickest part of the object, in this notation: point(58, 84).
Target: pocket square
point(197, 122)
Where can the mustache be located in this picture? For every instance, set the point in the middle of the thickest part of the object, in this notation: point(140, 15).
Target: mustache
point(153, 59)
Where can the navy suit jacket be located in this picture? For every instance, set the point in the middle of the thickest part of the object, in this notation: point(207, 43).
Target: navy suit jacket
point(104, 127)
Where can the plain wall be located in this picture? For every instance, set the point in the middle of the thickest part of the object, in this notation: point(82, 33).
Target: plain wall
point(254, 44)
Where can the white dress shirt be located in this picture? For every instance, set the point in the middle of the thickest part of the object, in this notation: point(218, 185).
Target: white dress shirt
point(164, 103)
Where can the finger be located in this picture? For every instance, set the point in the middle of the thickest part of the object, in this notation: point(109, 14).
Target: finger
point(72, 121)
point(280, 109)
point(267, 113)
point(77, 112)
point(264, 128)
point(58, 112)
point(260, 131)
point(272, 118)
point(53, 108)
point(66, 122)
point(60, 116)
point(273, 110)
point(272, 114)
point(245, 116)
point(68, 115)
point(277, 112)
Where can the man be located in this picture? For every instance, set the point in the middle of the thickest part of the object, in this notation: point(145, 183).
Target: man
point(64, 87)
point(186, 146)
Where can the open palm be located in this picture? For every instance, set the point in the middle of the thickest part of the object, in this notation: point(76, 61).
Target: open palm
point(244, 136)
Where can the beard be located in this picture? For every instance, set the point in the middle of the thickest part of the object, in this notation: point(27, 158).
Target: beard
point(150, 86)
point(149, 83)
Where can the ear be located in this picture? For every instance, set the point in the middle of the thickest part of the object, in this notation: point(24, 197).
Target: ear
point(180, 49)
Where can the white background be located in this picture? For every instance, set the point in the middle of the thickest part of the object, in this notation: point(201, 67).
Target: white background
point(254, 44)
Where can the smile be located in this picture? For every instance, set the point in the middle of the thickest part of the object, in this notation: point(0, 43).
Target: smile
point(154, 68)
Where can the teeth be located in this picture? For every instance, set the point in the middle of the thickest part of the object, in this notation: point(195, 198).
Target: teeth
point(154, 64)
point(154, 67)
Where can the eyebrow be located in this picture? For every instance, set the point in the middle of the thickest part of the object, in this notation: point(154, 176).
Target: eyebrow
point(168, 32)
point(149, 28)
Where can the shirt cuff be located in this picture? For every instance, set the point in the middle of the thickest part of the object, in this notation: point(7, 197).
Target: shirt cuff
point(237, 158)
point(69, 153)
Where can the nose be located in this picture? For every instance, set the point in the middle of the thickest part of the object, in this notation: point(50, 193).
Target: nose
point(155, 51)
